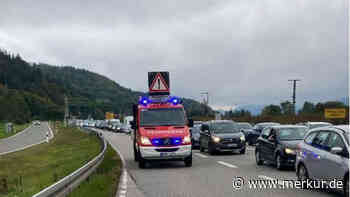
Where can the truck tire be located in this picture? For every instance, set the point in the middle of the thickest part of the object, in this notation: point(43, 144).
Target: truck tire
point(188, 161)
point(142, 162)
point(136, 158)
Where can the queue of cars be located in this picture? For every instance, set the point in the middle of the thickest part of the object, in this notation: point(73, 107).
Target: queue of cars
point(316, 150)
point(113, 125)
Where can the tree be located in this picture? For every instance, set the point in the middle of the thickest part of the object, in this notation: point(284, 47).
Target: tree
point(287, 108)
point(271, 110)
point(308, 108)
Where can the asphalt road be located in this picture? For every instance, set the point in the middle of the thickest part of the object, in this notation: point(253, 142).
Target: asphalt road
point(209, 176)
point(32, 135)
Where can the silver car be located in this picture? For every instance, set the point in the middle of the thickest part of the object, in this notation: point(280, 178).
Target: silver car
point(323, 155)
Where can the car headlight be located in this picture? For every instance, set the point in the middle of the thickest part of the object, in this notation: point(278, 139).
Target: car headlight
point(216, 139)
point(242, 138)
point(187, 139)
point(118, 128)
point(145, 141)
point(289, 151)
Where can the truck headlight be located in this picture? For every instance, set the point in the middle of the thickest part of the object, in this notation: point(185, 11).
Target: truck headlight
point(215, 139)
point(145, 141)
point(187, 139)
point(242, 138)
point(289, 151)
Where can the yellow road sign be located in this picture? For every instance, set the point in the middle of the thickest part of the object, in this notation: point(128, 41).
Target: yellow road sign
point(109, 115)
point(335, 113)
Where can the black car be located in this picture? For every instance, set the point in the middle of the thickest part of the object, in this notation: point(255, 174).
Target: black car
point(277, 144)
point(221, 135)
point(195, 134)
point(253, 135)
point(245, 127)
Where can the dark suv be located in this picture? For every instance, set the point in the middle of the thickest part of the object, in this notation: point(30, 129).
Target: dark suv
point(221, 135)
point(277, 144)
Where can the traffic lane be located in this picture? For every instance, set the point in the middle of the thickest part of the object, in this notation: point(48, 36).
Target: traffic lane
point(247, 165)
point(170, 178)
point(207, 177)
point(32, 135)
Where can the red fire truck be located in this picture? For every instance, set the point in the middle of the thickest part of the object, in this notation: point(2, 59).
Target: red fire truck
point(161, 128)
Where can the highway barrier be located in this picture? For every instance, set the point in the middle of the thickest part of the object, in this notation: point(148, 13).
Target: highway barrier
point(68, 183)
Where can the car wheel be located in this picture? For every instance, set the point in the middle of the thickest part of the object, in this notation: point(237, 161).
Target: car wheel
point(242, 151)
point(302, 174)
point(188, 161)
point(201, 149)
point(346, 186)
point(258, 159)
point(211, 150)
point(279, 162)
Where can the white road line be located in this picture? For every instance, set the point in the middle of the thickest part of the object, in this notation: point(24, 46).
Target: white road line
point(227, 164)
point(201, 155)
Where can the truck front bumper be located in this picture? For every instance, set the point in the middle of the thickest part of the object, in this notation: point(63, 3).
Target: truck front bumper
point(166, 153)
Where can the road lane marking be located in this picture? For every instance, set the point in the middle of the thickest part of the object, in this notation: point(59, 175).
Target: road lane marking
point(201, 155)
point(227, 164)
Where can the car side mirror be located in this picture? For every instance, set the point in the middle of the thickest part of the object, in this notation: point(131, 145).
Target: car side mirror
point(337, 150)
point(190, 123)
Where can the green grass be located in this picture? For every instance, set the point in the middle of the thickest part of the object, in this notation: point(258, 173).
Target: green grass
point(18, 128)
point(28, 172)
point(104, 181)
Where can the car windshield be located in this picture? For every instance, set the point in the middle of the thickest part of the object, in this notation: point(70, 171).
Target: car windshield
point(292, 133)
point(244, 126)
point(162, 117)
point(262, 126)
point(224, 127)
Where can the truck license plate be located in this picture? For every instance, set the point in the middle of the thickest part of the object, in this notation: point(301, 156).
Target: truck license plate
point(166, 154)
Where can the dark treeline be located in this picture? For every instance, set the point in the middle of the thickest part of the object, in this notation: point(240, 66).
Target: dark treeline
point(283, 113)
point(37, 91)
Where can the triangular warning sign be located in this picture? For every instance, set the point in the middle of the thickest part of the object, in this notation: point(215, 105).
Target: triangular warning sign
point(159, 84)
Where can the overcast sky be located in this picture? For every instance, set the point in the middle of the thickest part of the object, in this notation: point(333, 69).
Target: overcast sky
point(240, 51)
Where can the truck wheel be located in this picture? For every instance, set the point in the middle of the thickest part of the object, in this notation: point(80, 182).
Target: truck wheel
point(136, 159)
point(188, 161)
point(142, 162)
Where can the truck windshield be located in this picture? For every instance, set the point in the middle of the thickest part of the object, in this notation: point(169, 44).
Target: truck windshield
point(162, 117)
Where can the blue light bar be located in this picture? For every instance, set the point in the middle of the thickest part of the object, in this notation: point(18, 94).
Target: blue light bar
point(145, 100)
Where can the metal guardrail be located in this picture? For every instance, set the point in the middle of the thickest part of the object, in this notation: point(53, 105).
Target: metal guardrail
point(65, 182)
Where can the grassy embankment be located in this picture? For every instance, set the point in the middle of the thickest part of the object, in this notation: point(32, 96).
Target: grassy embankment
point(18, 128)
point(104, 181)
point(29, 171)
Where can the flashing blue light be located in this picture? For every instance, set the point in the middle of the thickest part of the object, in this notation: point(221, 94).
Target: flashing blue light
point(156, 142)
point(144, 101)
point(175, 100)
point(176, 141)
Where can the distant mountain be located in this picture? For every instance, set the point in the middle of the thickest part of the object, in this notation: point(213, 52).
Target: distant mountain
point(37, 91)
point(253, 109)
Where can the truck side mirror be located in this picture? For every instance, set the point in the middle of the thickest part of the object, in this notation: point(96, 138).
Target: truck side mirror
point(190, 123)
point(133, 124)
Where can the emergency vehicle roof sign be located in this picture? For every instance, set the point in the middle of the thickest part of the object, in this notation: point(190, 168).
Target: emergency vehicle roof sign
point(158, 83)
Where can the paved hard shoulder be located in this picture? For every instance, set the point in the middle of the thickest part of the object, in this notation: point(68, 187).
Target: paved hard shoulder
point(31, 136)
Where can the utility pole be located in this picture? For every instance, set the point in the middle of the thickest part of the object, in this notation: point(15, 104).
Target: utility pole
point(294, 90)
point(206, 102)
point(66, 111)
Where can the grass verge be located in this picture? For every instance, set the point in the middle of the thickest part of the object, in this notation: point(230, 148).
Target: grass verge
point(104, 181)
point(18, 128)
point(27, 172)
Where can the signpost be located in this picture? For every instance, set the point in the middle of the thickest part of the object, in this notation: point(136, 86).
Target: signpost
point(335, 113)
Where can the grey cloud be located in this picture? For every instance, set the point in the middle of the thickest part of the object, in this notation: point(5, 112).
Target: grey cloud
point(242, 52)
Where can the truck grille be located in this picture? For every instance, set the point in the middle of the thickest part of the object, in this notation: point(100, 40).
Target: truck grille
point(167, 149)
